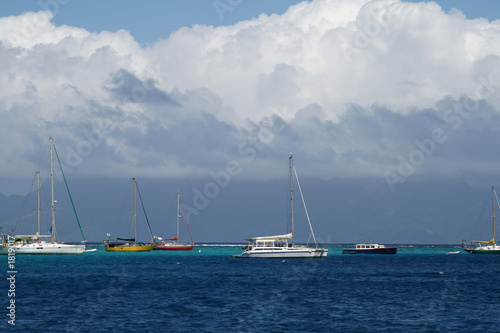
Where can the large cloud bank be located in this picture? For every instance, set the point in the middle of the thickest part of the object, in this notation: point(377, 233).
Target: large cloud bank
point(353, 88)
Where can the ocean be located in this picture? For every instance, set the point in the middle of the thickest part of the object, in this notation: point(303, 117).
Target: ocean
point(420, 289)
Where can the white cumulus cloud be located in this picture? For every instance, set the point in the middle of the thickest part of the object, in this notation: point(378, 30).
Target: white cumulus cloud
point(347, 85)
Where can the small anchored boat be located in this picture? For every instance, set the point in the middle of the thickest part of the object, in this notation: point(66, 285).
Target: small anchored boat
point(484, 247)
point(172, 244)
point(129, 244)
point(371, 249)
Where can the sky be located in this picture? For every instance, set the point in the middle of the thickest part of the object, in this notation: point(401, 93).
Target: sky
point(213, 89)
point(205, 84)
point(150, 21)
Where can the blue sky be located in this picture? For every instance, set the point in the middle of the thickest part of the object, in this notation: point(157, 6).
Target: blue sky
point(151, 20)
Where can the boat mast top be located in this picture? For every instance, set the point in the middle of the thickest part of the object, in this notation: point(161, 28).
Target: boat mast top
point(135, 213)
point(291, 194)
point(52, 190)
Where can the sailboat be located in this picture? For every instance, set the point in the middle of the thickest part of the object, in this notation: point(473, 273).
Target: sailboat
point(489, 247)
point(283, 246)
point(35, 244)
point(172, 244)
point(128, 244)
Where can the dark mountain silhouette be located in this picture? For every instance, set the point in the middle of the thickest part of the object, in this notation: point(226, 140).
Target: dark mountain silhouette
point(341, 210)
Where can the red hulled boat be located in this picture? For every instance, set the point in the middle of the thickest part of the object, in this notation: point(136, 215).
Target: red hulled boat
point(172, 244)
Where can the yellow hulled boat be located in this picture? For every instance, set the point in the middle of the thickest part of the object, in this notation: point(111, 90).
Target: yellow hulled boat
point(134, 247)
point(129, 244)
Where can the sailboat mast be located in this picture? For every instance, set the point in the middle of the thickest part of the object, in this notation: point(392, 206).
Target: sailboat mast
point(178, 214)
point(52, 190)
point(38, 199)
point(291, 195)
point(493, 195)
point(135, 213)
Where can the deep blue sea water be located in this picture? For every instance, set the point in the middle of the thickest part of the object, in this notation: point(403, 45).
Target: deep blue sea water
point(421, 289)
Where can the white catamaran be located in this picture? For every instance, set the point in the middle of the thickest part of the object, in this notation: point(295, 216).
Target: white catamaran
point(35, 244)
point(484, 247)
point(283, 246)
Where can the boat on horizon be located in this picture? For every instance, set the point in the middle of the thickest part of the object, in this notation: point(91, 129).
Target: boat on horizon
point(172, 244)
point(38, 243)
point(371, 249)
point(484, 247)
point(283, 246)
point(129, 244)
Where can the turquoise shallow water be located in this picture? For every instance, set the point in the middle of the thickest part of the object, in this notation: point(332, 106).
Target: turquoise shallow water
point(421, 289)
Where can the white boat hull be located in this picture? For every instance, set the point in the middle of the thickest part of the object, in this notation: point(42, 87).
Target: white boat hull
point(489, 249)
point(290, 252)
point(45, 248)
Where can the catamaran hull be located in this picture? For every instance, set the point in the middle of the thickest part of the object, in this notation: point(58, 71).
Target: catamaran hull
point(45, 249)
point(174, 247)
point(284, 253)
point(383, 250)
point(473, 251)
